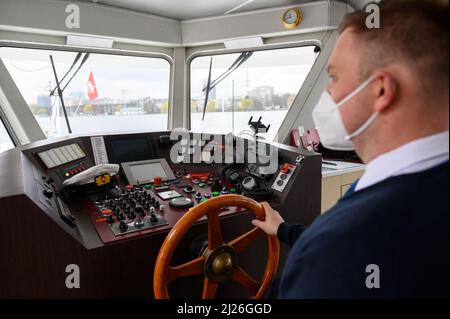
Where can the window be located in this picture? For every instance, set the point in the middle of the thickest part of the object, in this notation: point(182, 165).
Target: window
point(264, 84)
point(109, 93)
point(5, 140)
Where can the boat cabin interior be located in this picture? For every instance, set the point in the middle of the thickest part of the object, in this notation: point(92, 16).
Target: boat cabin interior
point(139, 141)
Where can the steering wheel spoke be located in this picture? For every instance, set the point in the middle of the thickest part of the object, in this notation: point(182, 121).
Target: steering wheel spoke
point(244, 279)
point(242, 242)
point(209, 289)
point(193, 267)
point(214, 230)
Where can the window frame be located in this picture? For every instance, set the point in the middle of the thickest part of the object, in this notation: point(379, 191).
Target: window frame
point(194, 55)
point(6, 127)
point(118, 52)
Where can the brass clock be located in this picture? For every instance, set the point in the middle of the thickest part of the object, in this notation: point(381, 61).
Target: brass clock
point(292, 18)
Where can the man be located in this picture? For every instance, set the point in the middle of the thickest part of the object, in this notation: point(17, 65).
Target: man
point(387, 98)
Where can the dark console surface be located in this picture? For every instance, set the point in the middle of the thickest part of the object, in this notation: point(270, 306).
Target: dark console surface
point(123, 218)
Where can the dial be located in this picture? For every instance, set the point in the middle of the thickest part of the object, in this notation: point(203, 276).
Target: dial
point(292, 18)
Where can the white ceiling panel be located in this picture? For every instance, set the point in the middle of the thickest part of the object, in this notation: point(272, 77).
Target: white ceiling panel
point(191, 9)
point(194, 9)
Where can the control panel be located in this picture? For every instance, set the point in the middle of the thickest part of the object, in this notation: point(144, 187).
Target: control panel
point(285, 174)
point(150, 192)
point(126, 211)
point(131, 209)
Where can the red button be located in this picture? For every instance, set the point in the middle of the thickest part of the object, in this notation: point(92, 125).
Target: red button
point(157, 181)
point(285, 169)
point(106, 212)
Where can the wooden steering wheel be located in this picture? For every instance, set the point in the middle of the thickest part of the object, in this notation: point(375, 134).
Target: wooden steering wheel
point(219, 260)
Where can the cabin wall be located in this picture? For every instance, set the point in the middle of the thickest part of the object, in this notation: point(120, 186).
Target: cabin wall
point(95, 20)
point(317, 16)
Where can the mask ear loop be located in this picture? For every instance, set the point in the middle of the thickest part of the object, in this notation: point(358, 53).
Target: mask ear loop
point(371, 118)
point(363, 127)
point(356, 92)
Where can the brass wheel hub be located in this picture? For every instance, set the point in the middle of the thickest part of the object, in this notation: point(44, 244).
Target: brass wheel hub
point(220, 263)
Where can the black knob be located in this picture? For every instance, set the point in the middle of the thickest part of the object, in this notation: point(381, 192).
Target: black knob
point(153, 219)
point(48, 193)
point(121, 216)
point(110, 219)
point(238, 189)
point(123, 226)
point(140, 211)
point(216, 186)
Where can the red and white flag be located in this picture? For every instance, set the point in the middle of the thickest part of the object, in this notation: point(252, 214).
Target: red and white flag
point(91, 88)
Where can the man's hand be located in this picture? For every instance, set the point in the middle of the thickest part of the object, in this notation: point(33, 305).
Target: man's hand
point(272, 222)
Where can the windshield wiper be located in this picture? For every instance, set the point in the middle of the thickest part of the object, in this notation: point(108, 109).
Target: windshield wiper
point(244, 56)
point(70, 69)
point(208, 88)
point(58, 83)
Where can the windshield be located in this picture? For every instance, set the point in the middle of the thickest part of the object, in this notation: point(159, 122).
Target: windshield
point(109, 93)
point(264, 85)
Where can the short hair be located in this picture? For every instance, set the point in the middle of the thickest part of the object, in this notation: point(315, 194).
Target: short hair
point(412, 31)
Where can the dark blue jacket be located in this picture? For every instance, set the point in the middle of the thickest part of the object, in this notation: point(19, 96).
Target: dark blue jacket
point(400, 225)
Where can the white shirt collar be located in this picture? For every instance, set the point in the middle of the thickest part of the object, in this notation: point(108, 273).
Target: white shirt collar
point(415, 156)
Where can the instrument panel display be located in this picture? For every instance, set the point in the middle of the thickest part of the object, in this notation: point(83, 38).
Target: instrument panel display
point(61, 155)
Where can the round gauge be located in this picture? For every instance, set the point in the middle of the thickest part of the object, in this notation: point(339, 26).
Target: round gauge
point(292, 18)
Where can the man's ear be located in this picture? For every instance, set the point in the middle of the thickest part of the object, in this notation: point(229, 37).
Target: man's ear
point(385, 90)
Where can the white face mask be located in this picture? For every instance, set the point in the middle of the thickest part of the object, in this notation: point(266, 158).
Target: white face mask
point(328, 120)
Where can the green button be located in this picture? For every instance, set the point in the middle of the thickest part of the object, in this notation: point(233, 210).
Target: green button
point(201, 184)
point(203, 200)
point(233, 190)
point(215, 193)
point(148, 186)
